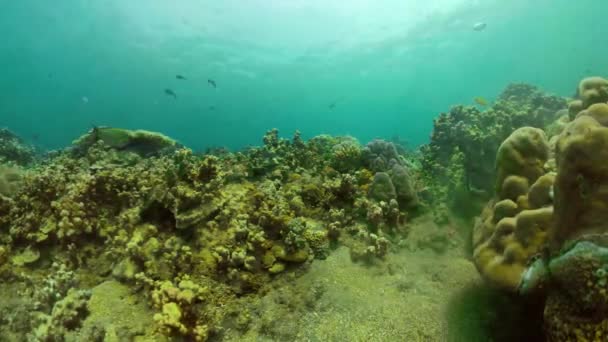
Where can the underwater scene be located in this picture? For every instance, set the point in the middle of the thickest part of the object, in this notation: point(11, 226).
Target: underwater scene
point(304, 170)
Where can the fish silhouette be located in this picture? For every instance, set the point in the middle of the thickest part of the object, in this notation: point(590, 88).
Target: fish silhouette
point(481, 101)
point(480, 26)
point(212, 83)
point(170, 92)
point(180, 77)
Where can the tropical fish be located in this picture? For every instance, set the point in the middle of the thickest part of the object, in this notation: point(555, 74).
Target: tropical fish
point(212, 83)
point(480, 26)
point(180, 77)
point(170, 92)
point(481, 101)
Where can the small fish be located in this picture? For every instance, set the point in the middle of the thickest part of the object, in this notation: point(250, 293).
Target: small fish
point(480, 26)
point(170, 92)
point(481, 101)
point(332, 106)
point(180, 77)
point(212, 83)
point(211, 107)
point(84, 99)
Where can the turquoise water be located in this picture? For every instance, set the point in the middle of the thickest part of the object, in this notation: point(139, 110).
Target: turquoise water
point(388, 67)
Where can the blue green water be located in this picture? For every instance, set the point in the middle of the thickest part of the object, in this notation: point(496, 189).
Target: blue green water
point(388, 66)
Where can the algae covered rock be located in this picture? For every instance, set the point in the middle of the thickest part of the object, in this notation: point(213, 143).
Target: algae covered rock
point(116, 314)
point(142, 142)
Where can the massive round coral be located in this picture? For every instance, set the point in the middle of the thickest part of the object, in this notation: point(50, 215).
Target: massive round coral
point(546, 231)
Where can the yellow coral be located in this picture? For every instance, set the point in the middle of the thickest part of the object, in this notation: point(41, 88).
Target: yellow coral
point(524, 154)
point(514, 226)
point(170, 318)
point(581, 205)
point(593, 90)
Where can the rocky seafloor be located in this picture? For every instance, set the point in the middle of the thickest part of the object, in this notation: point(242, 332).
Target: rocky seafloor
point(476, 236)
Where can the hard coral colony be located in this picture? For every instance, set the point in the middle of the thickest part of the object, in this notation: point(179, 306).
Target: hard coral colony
point(544, 232)
point(191, 234)
point(196, 237)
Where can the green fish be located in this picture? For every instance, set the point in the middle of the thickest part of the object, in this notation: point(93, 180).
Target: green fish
point(481, 101)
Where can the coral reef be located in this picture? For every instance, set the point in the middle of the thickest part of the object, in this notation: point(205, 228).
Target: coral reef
point(66, 315)
point(593, 90)
point(458, 162)
point(380, 155)
point(14, 150)
point(190, 233)
point(392, 180)
point(382, 188)
point(10, 179)
point(512, 227)
point(546, 232)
